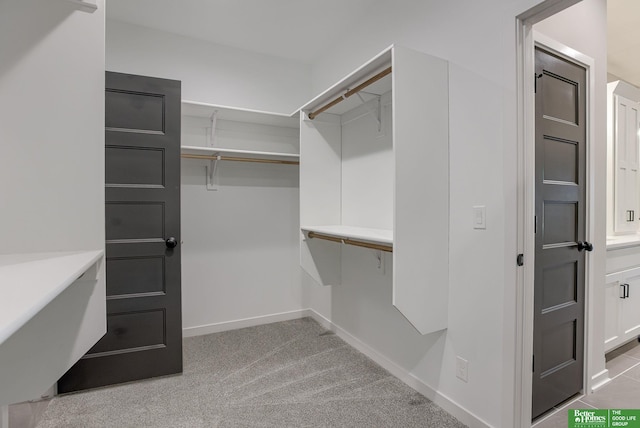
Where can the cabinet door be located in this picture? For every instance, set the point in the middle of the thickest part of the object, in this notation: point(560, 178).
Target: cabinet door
point(630, 316)
point(626, 119)
point(612, 309)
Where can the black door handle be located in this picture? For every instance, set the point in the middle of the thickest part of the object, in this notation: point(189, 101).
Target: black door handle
point(171, 242)
point(584, 245)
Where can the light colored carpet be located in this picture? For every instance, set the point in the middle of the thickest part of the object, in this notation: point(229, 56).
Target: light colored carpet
point(287, 374)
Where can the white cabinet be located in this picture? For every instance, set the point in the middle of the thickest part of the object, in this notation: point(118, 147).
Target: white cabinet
point(624, 141)
point(374, 172)
point(622, 307)
point(52, 311)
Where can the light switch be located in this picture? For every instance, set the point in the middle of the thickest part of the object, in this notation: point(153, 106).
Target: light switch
point(479, 217)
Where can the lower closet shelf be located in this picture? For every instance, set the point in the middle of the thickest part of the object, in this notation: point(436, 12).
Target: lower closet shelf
point(377, 239)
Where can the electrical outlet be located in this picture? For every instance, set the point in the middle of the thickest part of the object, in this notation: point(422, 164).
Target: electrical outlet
point(462, 367)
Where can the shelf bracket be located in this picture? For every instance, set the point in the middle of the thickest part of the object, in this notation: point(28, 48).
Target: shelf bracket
point(375, 111)
point(380, 259)
point(213, 164)
point(211, 173)
point(212, 130)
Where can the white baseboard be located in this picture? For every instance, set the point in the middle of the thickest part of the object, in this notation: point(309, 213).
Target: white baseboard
point(401, 373)
point(242, 323)
point(599, 380)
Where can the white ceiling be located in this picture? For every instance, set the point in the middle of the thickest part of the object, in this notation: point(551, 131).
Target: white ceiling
point(302, 30)
point(299, 30)
point(623, 39)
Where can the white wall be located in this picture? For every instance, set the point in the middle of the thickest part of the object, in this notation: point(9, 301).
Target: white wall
point(591, 39)
point(240, 243)
point(478, 38)
point(51, 127)
point(240, 250)
point(209, 73)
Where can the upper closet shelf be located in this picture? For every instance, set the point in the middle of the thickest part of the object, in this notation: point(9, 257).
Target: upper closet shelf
point(198, 109)
point(372, 78)
point(221, 133)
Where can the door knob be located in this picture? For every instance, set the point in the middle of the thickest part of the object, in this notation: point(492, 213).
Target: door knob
point(584, 245)
point(171, 242)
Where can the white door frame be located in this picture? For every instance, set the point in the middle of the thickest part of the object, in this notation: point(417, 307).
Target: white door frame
point(527, 40)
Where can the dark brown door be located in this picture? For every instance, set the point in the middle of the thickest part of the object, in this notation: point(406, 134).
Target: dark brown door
point(558, 343)
point(142, 167)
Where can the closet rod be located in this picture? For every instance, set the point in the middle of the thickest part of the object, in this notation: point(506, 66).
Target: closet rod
point(237, 159)
point(350, 92)
point(348, 241)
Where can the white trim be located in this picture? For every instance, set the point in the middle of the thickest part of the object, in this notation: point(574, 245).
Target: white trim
point(243, 323)
point(4, 416)
point(524, 290)
point(446, 403)
point(600, 379)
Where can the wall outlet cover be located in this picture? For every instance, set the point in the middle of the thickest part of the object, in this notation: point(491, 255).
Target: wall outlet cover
point(462, 369)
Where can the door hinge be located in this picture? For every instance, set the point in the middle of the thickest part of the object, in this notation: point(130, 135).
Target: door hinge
point(520, 259)
point(535, 82)
point(533, 363)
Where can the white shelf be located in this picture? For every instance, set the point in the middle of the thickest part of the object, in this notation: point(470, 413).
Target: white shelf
point(29, 282)
point(198, 109)
point(214, 151)
point(375, 65)
point(378, 236)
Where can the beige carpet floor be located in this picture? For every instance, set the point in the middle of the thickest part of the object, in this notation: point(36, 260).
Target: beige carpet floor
point(287, 374)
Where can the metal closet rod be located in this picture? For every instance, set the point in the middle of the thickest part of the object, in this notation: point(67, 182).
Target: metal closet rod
point(237, 159)
point(350, 92)
point(348, 241)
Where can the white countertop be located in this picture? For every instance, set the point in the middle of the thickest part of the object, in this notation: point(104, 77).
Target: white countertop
point(622, 241)
point(29, 282)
